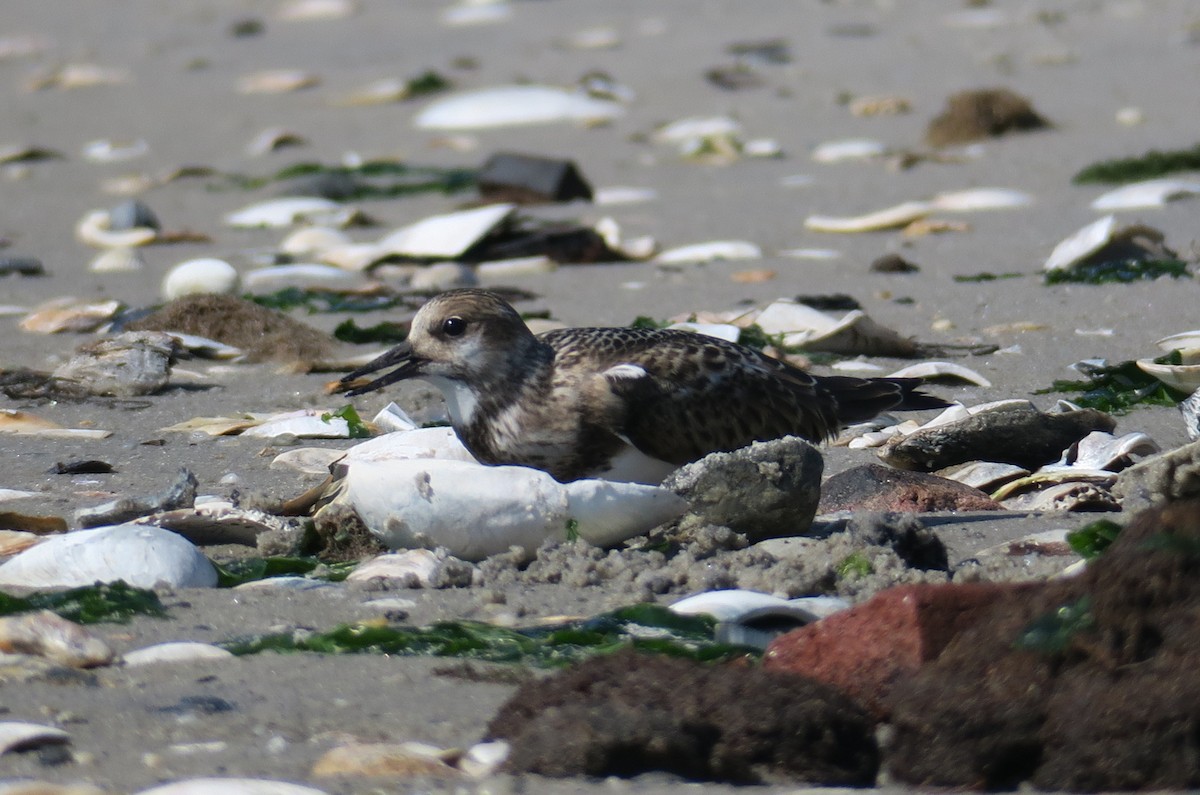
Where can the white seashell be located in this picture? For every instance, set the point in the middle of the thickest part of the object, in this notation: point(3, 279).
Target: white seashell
point(23, 423)
point(392, 419)
point(286, 583)
point(733, 604)
point(205, 348)
point(985, 475)
point(140, 555)
point(749, 618)
point(515, 105)
point(448, 236)
point(108, 151)
point(475, 511)
point(1130, 116)
point(417, 565)
point(848, 149)
point(118, 260)
point(617, 195)
point(272, 139)
point(1183, 377)
point(697, 128)
point(812, 253)
point(975, 199)
point(303, 424)
point(443, 276)
point(69, 315)
point(1150, 193)
point(1074, 495)
point(853, 334)
point(1082, 244)
point(313, 240)
point(484, 759)
point(723, 331)
point(200, 276)
point(710, 252)
point(276, 81)
point(304, 275)
point(1046, 477)
point(15, 494)
point(476, 12)
point(856, 366)
point(762, 147)
point(309, 460)
point(518, 266)
point(310, 10)
point(941, 370)
point(230, 786)
point(887, 218)
point(95, 230)
point(353, 256)
point(279, 213)
point(21, 736)
point(1188, 342)
point(175, 652)
point(1105, 451)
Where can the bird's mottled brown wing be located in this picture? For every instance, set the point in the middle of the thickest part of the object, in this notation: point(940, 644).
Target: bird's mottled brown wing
point(685, 395)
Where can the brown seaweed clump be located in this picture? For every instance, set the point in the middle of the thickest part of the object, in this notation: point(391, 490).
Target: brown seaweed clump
point(1083, 685)
point(265, 334)
point(983, 113)
point(628, 713)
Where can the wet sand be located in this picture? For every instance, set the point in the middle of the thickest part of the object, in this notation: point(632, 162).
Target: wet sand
point(1078, 62)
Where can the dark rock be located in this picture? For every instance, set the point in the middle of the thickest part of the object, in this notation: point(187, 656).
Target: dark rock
point(764, 490)
point(865, 650)
point(527, 179)
point(629, 713)
point(893, 263)
point(974, 115)
point(22, 266)
point(1013, 433)
point(133, 214)
point(872, 487)
point(1173, 475)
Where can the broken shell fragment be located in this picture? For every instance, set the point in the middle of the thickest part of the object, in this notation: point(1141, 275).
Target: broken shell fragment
point(118, 260)
point(1104, 240)
point(276, 81)
point(889, 218)
point(1181, 377)
point(983, 475)
point(230, 786)
point(849, 149)
point(710, 252)
point(1103, 451)
point(447, 236)
point(475, 511)
point(854, 333)
point(69, 315)
point(48, 635)
point(96, 230)
point(941, 371)
point(312, 10)
point(279, 213)
point(1150, 193)
point(515, 105)
point(22, 736)
point(975, 199)
point(142, 556)
point(273, 139)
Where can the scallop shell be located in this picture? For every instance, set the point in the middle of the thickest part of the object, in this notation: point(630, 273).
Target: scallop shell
point(447, 236)
point(1150, 193)
point(941, 371)
point(888, 218)
point(141, 556)
point(475, 511)
point(710, 252)
point(508, 106)
point(279, 213)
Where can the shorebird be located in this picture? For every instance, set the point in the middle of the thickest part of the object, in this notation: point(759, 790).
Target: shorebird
point(618, 403)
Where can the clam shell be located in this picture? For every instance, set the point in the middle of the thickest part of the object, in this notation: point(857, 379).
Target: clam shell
point(141, 556)
point(95, 229)
point(888, 218)
point(1082, 244)
point(984, 475)
point(304, 275)
point(515, 105)
point(484, 759)
point(1151, 193)
point(396, 761)
point(1076, 495)
point(1186, 341)
point(749, 618)
point(21, 736)
point(941, 371)
point(414, 565)
point(1183, 377)
point(849, 149)
point(710, 252)
point(280, 213)
point(853, 334)
point(448, 236)
point(200, 276)
point(216, 522)
point(303, 424)
point(475, 511)
point(45, 634)
point(69, 314)
point(276, 81)
point(975, 199)
point(442, 276)
point(1104, 451)
point(182, 651)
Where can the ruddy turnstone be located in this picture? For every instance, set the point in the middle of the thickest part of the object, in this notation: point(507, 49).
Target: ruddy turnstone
point(622, 403)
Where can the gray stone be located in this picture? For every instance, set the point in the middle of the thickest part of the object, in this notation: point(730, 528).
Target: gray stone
point(1174, 475)
point(765, 490)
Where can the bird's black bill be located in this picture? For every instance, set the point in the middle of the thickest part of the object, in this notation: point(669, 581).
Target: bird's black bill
point(401, 357)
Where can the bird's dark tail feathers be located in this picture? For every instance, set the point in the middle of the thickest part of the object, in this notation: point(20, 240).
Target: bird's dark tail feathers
point(861, 399)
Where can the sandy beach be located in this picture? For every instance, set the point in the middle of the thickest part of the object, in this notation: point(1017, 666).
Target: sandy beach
point(1113, 78)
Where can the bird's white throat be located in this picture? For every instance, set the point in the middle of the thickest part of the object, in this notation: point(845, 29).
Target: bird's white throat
point(461, 401)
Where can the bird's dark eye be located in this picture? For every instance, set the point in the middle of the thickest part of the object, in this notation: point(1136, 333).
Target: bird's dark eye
point(454, 326)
